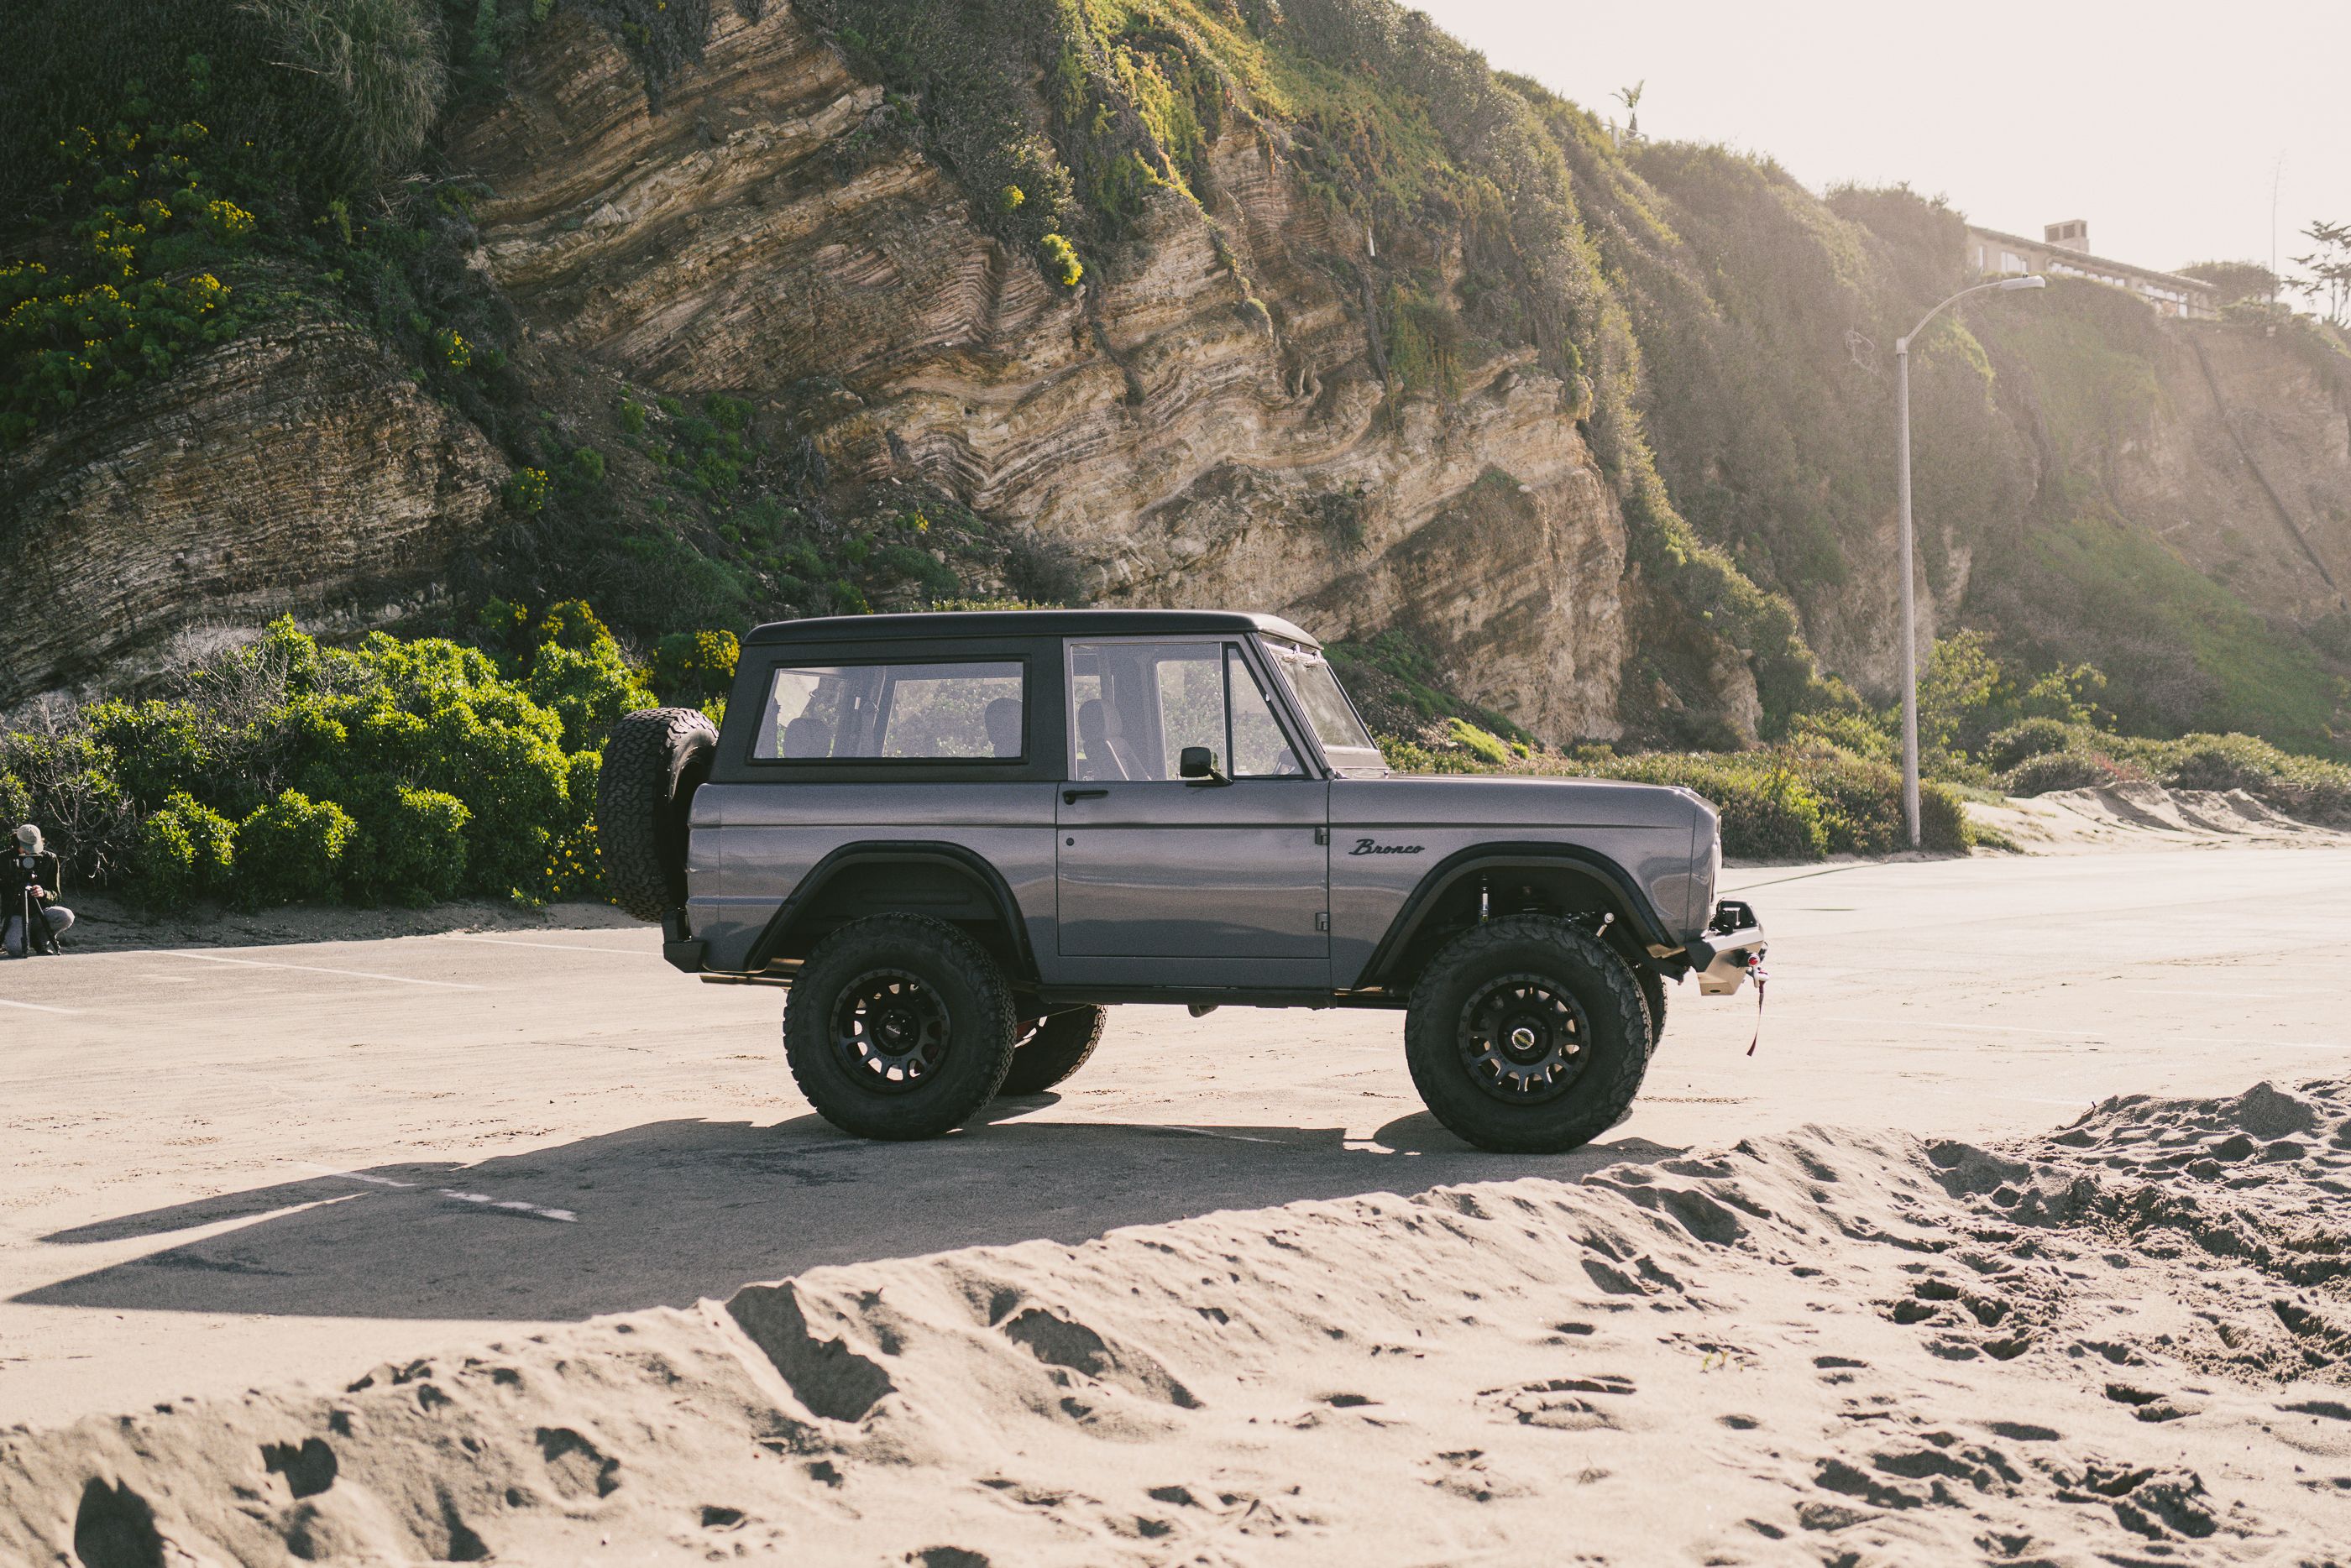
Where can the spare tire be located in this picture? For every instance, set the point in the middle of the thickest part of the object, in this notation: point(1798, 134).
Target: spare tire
point(653, 761)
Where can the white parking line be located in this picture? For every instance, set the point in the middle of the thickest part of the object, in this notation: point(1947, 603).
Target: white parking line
point(36, 1007)
point(552, 947)
point(1207, 1132)
point(564, 1216)
point(1798, 876)
point(317, 969)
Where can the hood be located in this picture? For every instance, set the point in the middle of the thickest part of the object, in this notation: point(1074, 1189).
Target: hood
point(1516, 801)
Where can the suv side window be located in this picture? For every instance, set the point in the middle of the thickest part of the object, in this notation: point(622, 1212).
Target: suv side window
point(1260, 748)
point(1136, 705)
point(967, 712)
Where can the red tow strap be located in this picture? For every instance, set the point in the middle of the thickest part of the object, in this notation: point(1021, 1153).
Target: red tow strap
point(1755, 968)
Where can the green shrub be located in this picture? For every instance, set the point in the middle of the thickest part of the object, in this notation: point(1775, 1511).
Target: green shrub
point(2018, 744)
point(1785, 803)
point(186, 852)
point(1486, 747)
point(155, 145)
point(401, 770)
point(587, 689)
point(572, 870)
point(418, 847)
point(935, 576)
point(1769, 812)
point(1411, 757)
point(379, 63)
point(527, 490)
point(1859, 733)
point(2069, 769)
point(1061, 262)
point(1861, 803)
point(2221, 763)
point(432, 715)
point(1943, 819)
point(161, 748)
point(291, 851)
point(689, 667)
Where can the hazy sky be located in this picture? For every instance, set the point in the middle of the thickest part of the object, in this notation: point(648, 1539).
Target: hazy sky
point(2159, 122)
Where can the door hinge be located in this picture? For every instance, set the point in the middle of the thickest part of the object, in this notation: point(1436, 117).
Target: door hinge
point(1322, 919)
point(1321, 836)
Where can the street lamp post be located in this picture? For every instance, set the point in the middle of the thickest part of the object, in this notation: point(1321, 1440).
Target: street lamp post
point(1909, 594)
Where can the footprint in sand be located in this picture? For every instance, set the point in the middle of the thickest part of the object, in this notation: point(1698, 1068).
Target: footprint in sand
point(579, 1470)
point(1464, 1473)
point(1560, 1404)
point(310, 1468)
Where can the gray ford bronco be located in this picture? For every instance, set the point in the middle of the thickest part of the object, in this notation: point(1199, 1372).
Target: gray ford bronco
point(958, 837)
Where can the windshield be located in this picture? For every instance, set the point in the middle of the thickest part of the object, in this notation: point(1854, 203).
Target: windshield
point(1326, 708)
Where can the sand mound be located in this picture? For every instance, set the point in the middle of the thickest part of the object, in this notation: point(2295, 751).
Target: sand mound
point(2144, 817)
point(2127, 1342)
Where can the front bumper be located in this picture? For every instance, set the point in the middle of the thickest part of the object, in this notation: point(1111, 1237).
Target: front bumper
point(1733, 945)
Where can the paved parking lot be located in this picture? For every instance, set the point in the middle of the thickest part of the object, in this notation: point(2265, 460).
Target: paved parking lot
point(223, 1166)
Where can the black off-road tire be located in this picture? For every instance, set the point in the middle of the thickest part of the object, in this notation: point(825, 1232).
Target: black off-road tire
point(1057, 1046)
point(1586, 1014)
point(945, 980)
point(1653, 998)
point(653, 761)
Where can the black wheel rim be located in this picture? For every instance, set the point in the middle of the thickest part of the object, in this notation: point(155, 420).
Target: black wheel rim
point(890, 1031)
point(1524, 1040)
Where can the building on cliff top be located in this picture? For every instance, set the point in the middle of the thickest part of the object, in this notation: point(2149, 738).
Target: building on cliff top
point(2064, 251)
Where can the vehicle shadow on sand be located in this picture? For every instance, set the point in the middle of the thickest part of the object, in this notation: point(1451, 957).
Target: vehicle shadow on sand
point(668, 1212)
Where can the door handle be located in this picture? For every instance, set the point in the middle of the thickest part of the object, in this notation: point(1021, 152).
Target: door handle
point(1072, 796)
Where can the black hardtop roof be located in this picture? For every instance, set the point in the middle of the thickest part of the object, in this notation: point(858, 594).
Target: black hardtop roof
point(942, 624)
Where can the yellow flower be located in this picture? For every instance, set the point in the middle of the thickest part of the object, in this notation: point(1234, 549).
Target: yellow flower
point(230, 219)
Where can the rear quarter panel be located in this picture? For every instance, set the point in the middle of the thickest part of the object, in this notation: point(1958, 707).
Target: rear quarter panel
point(751, 844)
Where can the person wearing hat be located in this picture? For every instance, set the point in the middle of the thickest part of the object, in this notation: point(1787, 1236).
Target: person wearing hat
point(30, 919)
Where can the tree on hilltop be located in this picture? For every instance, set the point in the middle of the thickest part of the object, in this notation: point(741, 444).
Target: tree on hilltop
point(2329, 266)
point(2234, 280)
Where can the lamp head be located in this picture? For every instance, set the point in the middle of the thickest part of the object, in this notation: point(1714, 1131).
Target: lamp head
point(2035, 281)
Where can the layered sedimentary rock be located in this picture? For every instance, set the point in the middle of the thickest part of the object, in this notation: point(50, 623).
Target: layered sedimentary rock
point(1185, 442)
point(297, 468)
point(1207, 419)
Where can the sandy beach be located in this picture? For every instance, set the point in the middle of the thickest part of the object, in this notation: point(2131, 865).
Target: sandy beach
point(2017, 1241)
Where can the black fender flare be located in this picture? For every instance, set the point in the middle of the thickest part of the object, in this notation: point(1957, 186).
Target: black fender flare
point(869, 853)
point(1647, 926)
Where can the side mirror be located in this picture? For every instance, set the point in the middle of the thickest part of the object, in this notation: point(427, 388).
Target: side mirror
point(1199, 762)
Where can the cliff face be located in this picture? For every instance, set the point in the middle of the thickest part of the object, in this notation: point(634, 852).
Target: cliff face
point(297, 468)
point(2165, 500)
point(2244, 464)
point(1187, 447)
point(1214, 415)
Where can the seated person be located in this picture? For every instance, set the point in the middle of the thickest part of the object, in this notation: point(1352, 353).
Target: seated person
point(1095, 760)
point(30, 880)
point(1003, 717)
point(806, 736)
